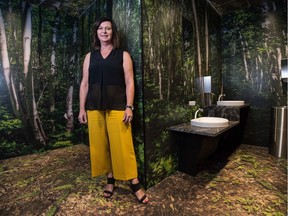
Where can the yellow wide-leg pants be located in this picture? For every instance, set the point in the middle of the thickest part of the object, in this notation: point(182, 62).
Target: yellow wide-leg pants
point(111, 145)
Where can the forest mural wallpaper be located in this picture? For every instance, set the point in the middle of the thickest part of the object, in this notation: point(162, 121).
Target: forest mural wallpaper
point(253, 43)
point(180, 41)
point(173, 44)
point(41, 66)
point(39, 54)
point(43, 47)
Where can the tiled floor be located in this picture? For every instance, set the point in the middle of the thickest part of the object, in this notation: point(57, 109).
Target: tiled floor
point(251, 182)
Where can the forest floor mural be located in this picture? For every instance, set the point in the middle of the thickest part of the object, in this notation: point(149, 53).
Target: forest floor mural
point(58, 182)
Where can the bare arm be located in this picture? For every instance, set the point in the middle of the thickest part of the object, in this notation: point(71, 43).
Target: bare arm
point(84, 90)
point(130, 88)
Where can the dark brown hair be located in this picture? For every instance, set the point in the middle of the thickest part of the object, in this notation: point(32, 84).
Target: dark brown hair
point(115, 36)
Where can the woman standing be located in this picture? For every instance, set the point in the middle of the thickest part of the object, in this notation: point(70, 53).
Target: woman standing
point(106, 103)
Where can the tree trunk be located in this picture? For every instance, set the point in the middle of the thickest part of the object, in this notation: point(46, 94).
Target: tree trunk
point(7, 70)
point(40, 38)
point(69, 110)
point(246, 57)
point(197, 35)
point(32, 112)
point(259, 71)
point(170, 15)
point(207, 41)
point(73, 62)
point(53, 64)
point(159, 69)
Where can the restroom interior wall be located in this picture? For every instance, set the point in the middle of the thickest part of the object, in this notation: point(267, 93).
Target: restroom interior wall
point(181, 42)
point(254, 41)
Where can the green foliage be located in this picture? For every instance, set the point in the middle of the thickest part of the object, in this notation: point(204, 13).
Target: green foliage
point(163, 166)
point(52, 211)
point(25, 182)
point(162, 160)
point(249, 204)
point(139, 150)
point(162, 156)
point(30, 194)
point(8, 122)
point(63, 187)
point(11, 139)
point(60, 144)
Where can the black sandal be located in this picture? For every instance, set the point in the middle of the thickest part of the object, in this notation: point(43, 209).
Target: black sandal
point(135, 188)
point(109, 181)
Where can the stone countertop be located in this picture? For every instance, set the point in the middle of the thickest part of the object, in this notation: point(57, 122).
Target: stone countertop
point(212, 132)
point(232, 113)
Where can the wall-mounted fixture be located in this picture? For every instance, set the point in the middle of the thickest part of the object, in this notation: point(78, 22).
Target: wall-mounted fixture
point(208, 95)
point(284, 69)
point(284, 75)
point(207, 84)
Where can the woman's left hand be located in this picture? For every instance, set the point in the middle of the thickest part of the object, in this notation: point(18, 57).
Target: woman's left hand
point(128, 115)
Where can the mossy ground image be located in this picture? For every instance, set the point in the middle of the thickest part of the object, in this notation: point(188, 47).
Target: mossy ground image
point(58, 182)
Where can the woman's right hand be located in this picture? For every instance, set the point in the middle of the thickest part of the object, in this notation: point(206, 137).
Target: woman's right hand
point(82, 117)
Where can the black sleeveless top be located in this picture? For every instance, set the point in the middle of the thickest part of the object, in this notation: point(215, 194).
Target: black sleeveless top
point(107, 89)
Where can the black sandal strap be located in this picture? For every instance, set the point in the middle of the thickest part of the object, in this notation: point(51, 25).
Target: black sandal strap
point(135, 187)
point(111, 180)
point(108, 192)
point(142, 199)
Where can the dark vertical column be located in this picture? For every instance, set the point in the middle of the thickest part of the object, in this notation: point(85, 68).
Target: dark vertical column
point(82, 35)
point(109, 7)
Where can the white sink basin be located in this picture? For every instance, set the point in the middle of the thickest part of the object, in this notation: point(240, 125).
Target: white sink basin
point(230, 103)
point(210, 122)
